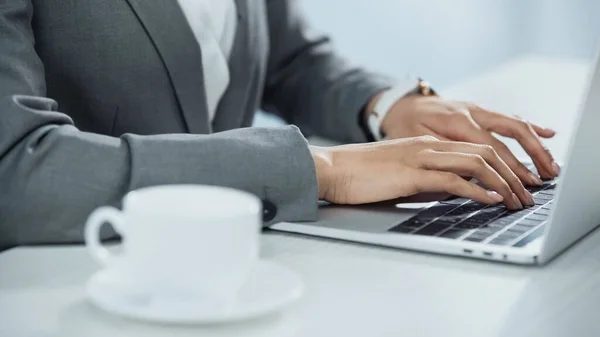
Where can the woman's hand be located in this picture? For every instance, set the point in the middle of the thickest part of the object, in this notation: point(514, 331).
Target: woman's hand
point(415, 115)
point(364, 173)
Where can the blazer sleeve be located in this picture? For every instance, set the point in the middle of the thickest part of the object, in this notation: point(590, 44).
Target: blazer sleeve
point(52, 175)
point(308, 84)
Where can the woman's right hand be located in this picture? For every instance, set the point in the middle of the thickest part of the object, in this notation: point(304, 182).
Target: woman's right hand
point(371, 172)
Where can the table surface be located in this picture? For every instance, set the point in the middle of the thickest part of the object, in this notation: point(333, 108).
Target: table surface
point(360, 290)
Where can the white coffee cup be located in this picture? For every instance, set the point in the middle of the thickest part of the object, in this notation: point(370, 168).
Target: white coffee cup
point(189, 241)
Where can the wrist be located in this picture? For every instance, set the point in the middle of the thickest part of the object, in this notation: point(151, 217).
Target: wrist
point(381, 104)
point(399, 107)
point(322, 158)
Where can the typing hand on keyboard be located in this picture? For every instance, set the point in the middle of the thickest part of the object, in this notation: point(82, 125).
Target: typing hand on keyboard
point(430, 114)
point(364, 173)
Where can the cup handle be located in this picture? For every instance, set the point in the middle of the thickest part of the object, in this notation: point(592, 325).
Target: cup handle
point(99, 217)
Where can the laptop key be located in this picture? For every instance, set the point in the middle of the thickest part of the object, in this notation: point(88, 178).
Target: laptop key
point(496, 226)
point(497, 213)
point(542, 211)
point(468, 208)
point(456, 216)
point(502, 222)
point(486, 230)
point(533, 189)
point(474, 239)
point(431, 229)
point(550, 186)
point(537, 217)
point(502, 241)
point(461, 212)
point(478, 236)
point(453, 233)
point(491, 229)
point(509, 235)
point(542, 196)
point(510, 219)
point(425, 218)
point(480, 219)
point(516, 230)
point(414, 223)
point(455, 201)
point(402, 229)
point(488, 215)
point(445, 223)
point(534, 235)
point(450, 219)
point(512, 215)
point(530, 222)
point(548, 193)
point(474, 205)
point(436, 210)
point(548, 206)
point(540, 201)
point(467, 225)
point(521, 228)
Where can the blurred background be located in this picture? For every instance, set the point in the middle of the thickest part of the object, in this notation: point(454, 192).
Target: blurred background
point(446, 41)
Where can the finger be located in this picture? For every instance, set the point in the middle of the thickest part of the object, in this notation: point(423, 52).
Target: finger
point(540, 131)
point(478, 134)
point(543, 132)
point(518, 166)
point(438, 181)
point(427, 131)
point(493, 158)
point(494, 121)
point(524, 133)
point(473, 165)
point(466, 127)
point(514, 164)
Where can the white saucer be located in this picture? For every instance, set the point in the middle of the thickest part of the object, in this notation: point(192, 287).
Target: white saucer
point(269, 288)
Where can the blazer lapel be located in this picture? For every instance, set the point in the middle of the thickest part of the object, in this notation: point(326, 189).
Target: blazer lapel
point(169, 30)
point(242, 8)
point(230, 110)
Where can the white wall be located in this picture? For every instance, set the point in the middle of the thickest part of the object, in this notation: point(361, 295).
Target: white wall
point(446, 41)
point(437, 39)
point(562, 27)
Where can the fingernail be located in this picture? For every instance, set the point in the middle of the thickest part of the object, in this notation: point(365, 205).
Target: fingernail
point(535, 179)
point(551, 130)
point(516, 201)
point(530, 201)
point(495, 196)
point(556, 168)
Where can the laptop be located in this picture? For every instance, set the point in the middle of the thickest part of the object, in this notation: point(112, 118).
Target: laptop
point(566, 209)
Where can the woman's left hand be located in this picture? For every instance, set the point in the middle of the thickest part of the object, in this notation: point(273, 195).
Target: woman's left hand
point(415, 115)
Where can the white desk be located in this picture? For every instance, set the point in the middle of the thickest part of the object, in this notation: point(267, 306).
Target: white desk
point(357, 290)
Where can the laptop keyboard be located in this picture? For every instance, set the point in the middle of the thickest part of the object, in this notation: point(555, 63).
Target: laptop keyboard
point(468, 220)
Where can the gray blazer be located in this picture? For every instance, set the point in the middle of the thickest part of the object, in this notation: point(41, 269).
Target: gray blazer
point(98, 98)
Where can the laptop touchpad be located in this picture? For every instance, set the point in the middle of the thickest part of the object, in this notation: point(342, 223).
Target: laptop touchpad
point(374, 218)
